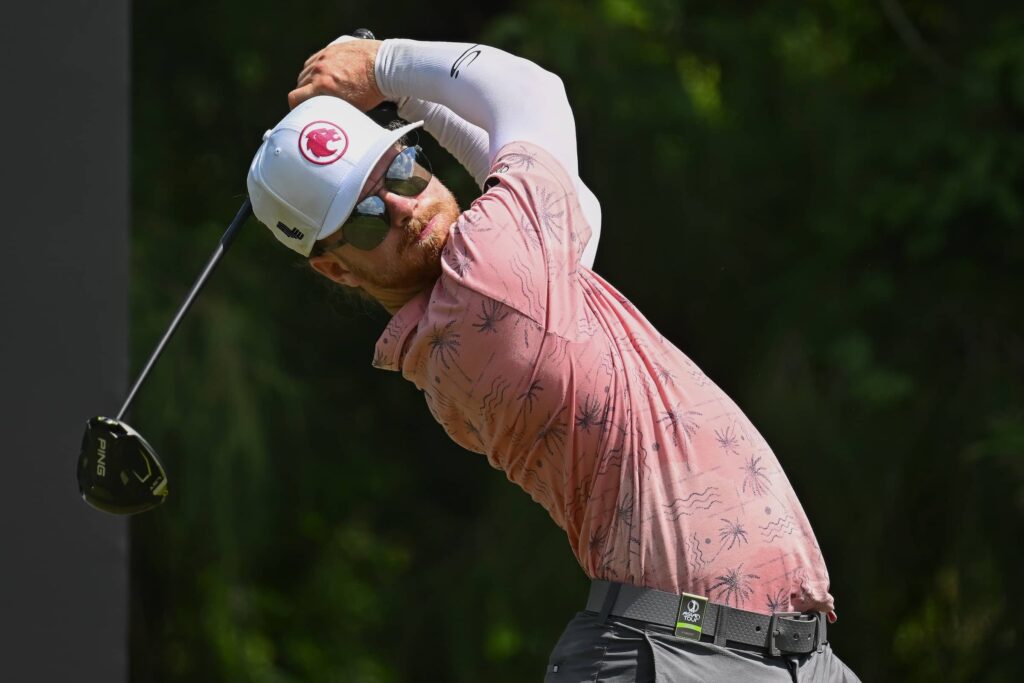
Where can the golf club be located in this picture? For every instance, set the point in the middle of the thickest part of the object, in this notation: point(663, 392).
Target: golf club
point(118, 471)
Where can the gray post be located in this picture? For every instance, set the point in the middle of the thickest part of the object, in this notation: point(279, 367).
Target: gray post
point(63, 335)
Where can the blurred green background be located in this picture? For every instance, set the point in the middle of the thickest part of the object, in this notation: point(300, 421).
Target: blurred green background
point(821, 203)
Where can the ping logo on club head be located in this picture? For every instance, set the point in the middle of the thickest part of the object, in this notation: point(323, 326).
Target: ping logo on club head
point(101, 457)
point(322, 142)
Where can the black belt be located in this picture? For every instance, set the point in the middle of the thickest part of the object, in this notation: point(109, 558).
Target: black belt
point(695, 617)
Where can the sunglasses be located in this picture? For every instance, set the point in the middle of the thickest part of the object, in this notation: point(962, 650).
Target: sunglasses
point(407, 175)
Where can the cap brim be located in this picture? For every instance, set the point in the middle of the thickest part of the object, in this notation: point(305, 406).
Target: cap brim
point(345, 199)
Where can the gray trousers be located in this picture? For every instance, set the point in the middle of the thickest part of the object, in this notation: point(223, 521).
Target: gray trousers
point(627, 651)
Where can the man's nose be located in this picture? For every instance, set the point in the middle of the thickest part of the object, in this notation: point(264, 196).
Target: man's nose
point(400, 208)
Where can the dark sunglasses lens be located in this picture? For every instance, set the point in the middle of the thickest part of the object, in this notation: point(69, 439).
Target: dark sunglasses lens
point(368, 225)
point(365, 232)
point(409, 173)
point(371, 207)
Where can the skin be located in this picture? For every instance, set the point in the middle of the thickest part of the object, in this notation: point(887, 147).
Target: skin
point(408, 260)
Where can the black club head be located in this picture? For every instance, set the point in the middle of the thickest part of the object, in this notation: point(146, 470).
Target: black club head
point(118, 472)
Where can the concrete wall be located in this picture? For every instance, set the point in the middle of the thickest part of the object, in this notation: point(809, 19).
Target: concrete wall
point(64, 195)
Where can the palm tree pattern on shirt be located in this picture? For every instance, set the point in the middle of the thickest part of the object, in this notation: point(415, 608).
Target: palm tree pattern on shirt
point(529, 357)
point(734, 587)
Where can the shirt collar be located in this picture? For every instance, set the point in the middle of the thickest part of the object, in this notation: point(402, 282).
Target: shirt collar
point(388, 352)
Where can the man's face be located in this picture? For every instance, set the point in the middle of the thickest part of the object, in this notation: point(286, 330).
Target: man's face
point(409, 258)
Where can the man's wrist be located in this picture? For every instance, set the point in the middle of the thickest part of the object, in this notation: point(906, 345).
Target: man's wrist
point(403, 67)
point(379, 77)
point(371, 71)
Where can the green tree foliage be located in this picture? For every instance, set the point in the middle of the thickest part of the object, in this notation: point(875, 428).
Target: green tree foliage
point(821, 203)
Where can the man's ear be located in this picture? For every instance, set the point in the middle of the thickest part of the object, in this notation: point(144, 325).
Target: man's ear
point(331, 267)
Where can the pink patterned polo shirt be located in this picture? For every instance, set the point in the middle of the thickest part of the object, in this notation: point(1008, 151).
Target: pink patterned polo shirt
point(533, 360)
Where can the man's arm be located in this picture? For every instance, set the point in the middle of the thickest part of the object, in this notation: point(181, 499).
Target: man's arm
point(508, 97)
point(470, 145)
point(480, 98)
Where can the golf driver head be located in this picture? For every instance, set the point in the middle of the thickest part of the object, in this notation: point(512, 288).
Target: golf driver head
point(118, 472)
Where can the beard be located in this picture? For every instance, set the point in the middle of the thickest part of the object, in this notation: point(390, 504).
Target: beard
point(414, 265)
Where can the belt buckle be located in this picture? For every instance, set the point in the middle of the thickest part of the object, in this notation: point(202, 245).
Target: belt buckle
point(773, 649)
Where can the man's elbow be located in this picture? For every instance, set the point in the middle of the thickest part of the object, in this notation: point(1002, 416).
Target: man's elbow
point(552, 86)
point(535, 83)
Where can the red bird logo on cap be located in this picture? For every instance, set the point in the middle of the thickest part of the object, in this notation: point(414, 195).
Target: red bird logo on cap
point(323, 142)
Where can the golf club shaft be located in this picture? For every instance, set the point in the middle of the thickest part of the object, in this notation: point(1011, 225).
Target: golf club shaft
point(225, 241)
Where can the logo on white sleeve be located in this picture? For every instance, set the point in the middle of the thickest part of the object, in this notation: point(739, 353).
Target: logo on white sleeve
point(322, 142)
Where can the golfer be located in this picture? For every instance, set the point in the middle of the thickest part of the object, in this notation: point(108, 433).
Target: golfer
point(703, 564)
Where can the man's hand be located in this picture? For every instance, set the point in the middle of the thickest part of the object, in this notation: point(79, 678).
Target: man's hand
point(343, 70)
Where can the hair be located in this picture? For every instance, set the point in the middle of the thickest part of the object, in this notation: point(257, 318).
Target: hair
point(319, 249)
point(406, 139)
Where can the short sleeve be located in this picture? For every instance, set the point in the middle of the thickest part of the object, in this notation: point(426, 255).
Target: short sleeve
point(520, 243)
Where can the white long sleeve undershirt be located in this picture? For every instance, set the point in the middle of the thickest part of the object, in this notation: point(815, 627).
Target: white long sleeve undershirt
point(469, 144)
point(476, 99)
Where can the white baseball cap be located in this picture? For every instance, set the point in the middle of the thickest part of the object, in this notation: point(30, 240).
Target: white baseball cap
point(308, 173)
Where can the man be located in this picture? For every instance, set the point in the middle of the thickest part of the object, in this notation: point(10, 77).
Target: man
point(671, 500)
